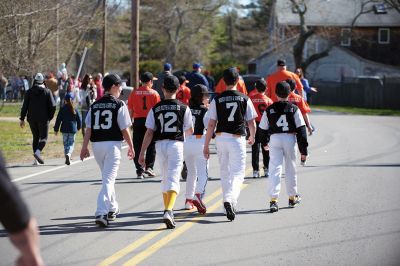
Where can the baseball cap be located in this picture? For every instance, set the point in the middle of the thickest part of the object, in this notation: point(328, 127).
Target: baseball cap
point(171, 83)
point(110, 80)
point(39, 78)
point(197, 65)
point(261, 85)
point(182, 79)
point(282, 89)
point(69, 96)
point(198, 89)
point(230, 75)
point(281, 62)
point(167, 66)
point(146, 77)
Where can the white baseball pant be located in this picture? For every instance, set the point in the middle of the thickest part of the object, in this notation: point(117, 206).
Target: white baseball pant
point(108, 157)
point(170, 159)
point(231, 152)
point(281, 146)
point(197, 166)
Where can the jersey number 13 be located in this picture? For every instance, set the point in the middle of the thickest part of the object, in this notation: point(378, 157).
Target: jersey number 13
point(107, 114)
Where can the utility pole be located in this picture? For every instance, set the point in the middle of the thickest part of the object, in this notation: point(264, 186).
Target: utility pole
point(103, 51)
point(57, 40)
point(135, 43)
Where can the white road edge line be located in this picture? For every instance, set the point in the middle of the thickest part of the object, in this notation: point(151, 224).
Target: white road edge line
point(53, 169)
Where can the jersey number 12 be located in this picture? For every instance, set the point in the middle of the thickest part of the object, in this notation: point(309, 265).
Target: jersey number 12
point(170, 118)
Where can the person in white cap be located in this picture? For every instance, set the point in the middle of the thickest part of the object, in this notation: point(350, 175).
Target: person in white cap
point(39, 108)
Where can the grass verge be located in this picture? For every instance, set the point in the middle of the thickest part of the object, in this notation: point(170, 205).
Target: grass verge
point(358, 111)
point(11, 109)
point(16, 143)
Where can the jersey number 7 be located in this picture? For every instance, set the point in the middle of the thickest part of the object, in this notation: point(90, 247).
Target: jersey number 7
point(234, 107)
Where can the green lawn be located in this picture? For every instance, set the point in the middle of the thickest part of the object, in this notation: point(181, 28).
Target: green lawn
point(358, 111)
point(11, 109)
point(16, 143)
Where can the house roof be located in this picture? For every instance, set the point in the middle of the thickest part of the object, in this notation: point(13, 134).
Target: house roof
point(338, 13)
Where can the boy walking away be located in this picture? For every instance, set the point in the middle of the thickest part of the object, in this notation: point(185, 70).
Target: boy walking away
point(70, 121)
point(260, 102)
point(282, 123)
point(229, 112)
point(108, 124)
point(197, 165)
point(168, 122)
point(140, 102)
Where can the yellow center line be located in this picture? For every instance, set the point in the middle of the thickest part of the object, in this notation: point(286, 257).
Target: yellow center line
point(131, 247)
point(174, 234)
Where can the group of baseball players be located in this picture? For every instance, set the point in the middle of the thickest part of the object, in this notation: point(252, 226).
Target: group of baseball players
point(180, 126)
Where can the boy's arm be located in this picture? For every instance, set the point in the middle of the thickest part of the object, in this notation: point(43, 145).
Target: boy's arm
point(127, 137)
point(210, 130)
point(85, 150)
point(252, 128)
point(148, 137)
point(302, 140)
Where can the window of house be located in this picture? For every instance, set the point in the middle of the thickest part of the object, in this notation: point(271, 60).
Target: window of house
point(345, 36)
point(380, 8)
point(383, 36)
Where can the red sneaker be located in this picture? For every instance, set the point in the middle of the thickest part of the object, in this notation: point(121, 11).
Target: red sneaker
point(201, 208)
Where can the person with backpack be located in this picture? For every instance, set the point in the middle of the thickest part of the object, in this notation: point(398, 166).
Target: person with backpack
point(70, 121)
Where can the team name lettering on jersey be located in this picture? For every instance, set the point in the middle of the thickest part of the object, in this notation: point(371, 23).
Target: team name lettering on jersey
point(167, 108)
point(230, 99)
point(195, 111)
point(104, 106)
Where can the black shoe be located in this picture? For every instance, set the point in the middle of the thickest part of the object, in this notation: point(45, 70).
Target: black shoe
point(111, 216)
point(67, 160)
point(38, 158)
point(230, 213)
point(168, 219)
point(149, 172)
point(273, 206)
point(295, 201)
point(101, 221)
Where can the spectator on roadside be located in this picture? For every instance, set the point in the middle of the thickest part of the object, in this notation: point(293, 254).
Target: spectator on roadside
point(51, 84)
point(15, 85)
point(195, 77)
point(98, 80)
point(3, 86)
point(281, 74)
point(88, 96)
point(16, 219)
point(61, 71)
point(75, 90)
point(65, 85)
point(25, 87)
point(308, 90)
point(160, 79)
point(211, 81)
point(39, 107)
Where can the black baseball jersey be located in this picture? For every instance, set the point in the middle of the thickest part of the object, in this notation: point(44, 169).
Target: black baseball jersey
point(169, 119)
point(198, 112)
point(231, 108)
point(283, 117)
point(104, 119)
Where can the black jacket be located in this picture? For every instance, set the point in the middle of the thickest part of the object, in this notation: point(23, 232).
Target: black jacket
point(70, 123)
point(38, 104)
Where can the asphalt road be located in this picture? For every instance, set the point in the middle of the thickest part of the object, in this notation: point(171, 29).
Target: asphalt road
point(348, 216)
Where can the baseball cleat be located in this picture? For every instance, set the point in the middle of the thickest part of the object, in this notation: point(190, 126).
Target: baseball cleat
point(303, 162)
point(141, 176)
point(112, 215)
point(189, 204)
point(149, 172)
point(230, 213)
point(101, 221)
point(168, 219)
point(295, 201)
point(256, 174)
point(265, 172)
point(273, 206)
point(67, 159)
point(201, 208)
point(38, 158)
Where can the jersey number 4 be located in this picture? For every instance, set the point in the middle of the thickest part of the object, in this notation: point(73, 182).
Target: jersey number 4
point(282, 122)
point(107, 114)
point(166, 121)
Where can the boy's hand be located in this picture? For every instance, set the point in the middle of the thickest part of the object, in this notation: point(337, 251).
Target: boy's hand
point(141, 160)
point(84, 153)
point(206, 152)
point(266, 147)
point(251, 140)
point(131, 154)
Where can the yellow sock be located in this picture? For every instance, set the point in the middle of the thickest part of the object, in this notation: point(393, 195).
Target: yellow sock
point(165, 198)
point(171, 199)
point(274, 199)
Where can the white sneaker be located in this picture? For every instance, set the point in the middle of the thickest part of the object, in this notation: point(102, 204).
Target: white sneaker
point(35, 162)
point(256, 174)
point(265, 172)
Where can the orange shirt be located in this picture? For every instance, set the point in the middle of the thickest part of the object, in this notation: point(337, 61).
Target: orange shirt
point(278, 76)
point(221, 86)
point(183, 94)
point(253, 92)
point(260, 102)
point(299, 102)
point(141, 100)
